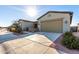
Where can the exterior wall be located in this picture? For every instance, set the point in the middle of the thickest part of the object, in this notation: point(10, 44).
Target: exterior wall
point(39, 25)
point(51, 16)
point(66, 26)
point(25, 25)
point(52, 26)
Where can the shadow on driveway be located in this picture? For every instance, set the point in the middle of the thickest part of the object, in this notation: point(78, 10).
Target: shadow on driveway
point(11, 36)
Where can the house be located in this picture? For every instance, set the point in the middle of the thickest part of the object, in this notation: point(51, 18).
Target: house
point(74, 28)
point(78, 28)
point(55, 21)
point(27, 25)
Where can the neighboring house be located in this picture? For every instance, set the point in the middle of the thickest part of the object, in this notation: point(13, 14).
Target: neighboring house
point(74, 28)
point(78, 27)
point(25, 24)
point(55, 21)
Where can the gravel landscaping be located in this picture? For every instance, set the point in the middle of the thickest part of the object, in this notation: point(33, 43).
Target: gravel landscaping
point(60, 47)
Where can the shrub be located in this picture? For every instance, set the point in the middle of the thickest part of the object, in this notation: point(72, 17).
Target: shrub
point(68, 34)
point(15, 28)
point(70, 41)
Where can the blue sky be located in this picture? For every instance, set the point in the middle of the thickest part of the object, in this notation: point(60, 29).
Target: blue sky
point(10, 13)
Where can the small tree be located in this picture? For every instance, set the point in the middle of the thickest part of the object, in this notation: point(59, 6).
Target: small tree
point(15, 28)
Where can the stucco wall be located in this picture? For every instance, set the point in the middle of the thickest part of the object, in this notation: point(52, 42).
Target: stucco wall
point(66, 27)
point(25, 25)
point(51, 16)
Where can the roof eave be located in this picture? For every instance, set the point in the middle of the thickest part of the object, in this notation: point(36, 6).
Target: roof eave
point(70, 13)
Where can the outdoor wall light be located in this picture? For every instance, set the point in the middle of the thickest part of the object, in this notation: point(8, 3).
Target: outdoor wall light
point(65, 22)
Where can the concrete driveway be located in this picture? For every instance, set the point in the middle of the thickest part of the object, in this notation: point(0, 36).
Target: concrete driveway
point(33, 44)
point(51, 35)
point(37, 43)
point(6, 36)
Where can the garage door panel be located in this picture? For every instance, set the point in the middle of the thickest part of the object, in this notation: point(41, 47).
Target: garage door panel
point(52, 26)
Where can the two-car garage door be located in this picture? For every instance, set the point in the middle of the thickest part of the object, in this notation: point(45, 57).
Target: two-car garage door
point(52, 25)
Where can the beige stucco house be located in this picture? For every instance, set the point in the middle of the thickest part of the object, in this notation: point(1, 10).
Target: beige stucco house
point(27, 25)
point(55, 21)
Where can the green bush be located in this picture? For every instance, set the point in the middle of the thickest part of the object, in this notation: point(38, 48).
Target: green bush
point(68, 34)
point(70, 41)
